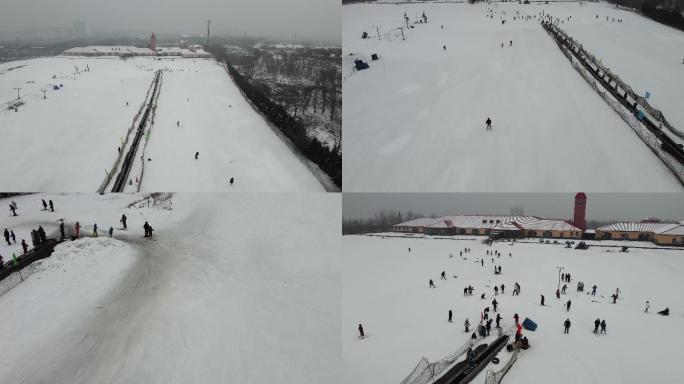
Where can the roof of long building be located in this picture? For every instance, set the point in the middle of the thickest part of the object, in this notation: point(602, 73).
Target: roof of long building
point(494, 222)
point(640, 227)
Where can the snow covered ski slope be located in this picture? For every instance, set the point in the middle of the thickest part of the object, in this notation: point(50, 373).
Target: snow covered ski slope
point(415, 120)
point(386, 289)
point(68, 141)
point(227, 293)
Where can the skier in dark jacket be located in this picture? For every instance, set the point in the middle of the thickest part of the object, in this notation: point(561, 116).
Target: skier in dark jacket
point(111, 231)
point(7, 237)
point(498, 320)
point(466, 324)
point(52, 206)
point(597, 323)
point(451, 315)
point(24, 246)
point(516, 318)
point(502, 289)
point(14, 238)
point(567, 306)
point(489, 123)
point(361, 334)
point(566, 324)
point(471, 357)
point(146, 227)
point(44, 205)
point(431, 284)
point(443, 277)
point(123, 221)
point(14, 210)
point(488, 326)
point(494, 304)
point(603, 326)
point(95, 230)
point(196, 155)
point(41, 234)
point(61, 231)
point(542, 300)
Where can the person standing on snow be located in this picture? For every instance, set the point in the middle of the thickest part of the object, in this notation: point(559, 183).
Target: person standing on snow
point(496, 291)
point(361, 334)
point(24, 246)
point(593, 290)
point(597, 323)
point(146, 227)
point(488, 123)
point(498, 320)
point(567, 306)
point(516, 318)
point(431, 284)
point(557, 293)
point(482, 262)
point(7, 237)
point(13, 209)
point(52, 206)
point(14, 238)
point(565, 286)
point(471, 357)
point(603, 326)
point(450, 316)
point(78, 229)
point(111, 231)
point(494, 304)
point(196, 155)
point(542, 300)
point(123, 221)
point(95, 230)
point(648, 306)
point(502, 289)
point(566, 324)
point(61, 230)
point(44, 205)
point(466, 323)
point(443, 277)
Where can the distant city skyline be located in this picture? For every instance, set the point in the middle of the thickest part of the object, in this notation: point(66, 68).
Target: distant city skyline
point(600, 206)
point(308, 20)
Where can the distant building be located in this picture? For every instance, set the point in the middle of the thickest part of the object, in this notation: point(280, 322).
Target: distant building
point(657, 232)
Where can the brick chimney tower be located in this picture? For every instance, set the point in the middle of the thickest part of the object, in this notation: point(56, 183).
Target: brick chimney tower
point(153, 42)
point(579, 219)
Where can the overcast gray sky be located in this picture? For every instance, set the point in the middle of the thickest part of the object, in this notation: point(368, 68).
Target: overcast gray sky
point(318, 20)
point(600, 206)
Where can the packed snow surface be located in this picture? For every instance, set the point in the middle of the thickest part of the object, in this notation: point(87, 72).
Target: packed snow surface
point(227, 292)
point(385, 288)
point(68, 141)
point(415, 120)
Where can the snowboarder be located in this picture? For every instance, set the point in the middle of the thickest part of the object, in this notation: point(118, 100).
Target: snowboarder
point(542, 300)
point(597, 322)
point(7, 237)
point(13, 209)
point(494, 304)
point(567, 306)
point(450, 316)
point(24, 246)
point(489, 123)
point(123, 221)
point(111, 231)
point(432, 284)
point(45, 207)
point(61, 230)
point(593, 290)
point(466, 323)
point(443, 277)
point(603, 326)
point(567, 326)
point(196, 155)
point(361, 334)
point(95, 230)
point(52, 206)
point(648, 306)
point(78, 229)
point(498, 320)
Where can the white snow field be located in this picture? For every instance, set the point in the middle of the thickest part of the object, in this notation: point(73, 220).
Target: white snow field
point(227, 292)
point(386, 289)
point(69, 141)
point(415, 120)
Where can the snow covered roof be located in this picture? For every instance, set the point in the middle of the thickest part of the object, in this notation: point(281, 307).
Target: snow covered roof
point(676, 231)
point(422, 222)
point(639, 227)
point(502, 223)
point(109, 49)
